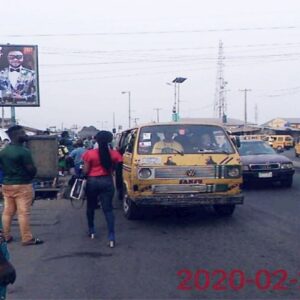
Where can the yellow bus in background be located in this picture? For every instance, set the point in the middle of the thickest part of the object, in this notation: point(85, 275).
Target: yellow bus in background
point(257, 137)
point(281, 142)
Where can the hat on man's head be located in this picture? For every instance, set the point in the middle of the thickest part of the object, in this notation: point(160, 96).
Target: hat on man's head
point(13, 129)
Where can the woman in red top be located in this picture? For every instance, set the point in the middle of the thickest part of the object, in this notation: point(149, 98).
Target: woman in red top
point(98, 166)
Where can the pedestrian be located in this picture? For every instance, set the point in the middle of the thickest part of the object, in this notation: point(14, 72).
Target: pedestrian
point(66, 140)
point(89, 142)
point(98, 166)
point(76, 155)
point(19, 170)
point(63, 153)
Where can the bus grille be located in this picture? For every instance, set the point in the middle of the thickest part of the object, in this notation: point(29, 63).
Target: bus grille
point(186, 172)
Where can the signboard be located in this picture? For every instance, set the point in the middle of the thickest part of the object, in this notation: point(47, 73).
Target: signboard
point(19, 75)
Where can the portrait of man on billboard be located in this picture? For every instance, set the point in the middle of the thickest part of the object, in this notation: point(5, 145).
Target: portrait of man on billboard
point(18, 76)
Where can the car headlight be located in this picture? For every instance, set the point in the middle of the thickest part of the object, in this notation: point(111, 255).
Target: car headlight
point(245, 168)
point(233, 171)
point(145, 173)
point(288, 165)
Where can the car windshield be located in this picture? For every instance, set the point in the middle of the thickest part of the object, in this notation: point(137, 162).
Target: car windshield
point(255, 148)
point(183, 139)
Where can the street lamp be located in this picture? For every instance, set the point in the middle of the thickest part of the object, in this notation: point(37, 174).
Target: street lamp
point(175, 97)
point(176, 82)
point(129, 107)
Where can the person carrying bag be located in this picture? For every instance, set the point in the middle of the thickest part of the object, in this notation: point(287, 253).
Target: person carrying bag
point(98, 167)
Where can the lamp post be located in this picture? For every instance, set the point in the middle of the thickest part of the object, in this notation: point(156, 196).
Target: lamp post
point(129, 107)
point(175, 99)
point(178, 80)
point(176, 107)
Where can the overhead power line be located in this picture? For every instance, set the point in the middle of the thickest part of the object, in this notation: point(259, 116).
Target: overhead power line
point(175, 59)
point(151, 32)
point(66, 51)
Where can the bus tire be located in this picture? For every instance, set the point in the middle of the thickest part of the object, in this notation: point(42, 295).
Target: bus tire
point(130, 209)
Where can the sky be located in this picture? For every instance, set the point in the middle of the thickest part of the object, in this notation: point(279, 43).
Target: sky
point(90, 51)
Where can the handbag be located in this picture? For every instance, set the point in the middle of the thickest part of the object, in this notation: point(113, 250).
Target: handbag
point(78, 189)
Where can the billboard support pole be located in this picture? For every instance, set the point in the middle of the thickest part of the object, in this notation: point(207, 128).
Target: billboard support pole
point(2, 121)
point(13, 115)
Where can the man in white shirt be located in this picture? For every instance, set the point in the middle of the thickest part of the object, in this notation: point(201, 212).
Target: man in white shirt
point(17, 84)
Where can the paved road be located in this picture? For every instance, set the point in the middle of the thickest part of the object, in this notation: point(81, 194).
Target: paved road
point(262, 234)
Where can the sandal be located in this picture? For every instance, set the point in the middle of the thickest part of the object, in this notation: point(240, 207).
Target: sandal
point(33, 241)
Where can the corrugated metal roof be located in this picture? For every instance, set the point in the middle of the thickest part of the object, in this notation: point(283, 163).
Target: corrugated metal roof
point(289, 120)
point(230, 121)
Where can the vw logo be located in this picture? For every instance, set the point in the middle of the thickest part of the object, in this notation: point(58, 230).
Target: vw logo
point(191, 173)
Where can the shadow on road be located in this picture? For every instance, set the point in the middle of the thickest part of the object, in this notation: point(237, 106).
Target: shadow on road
point(182, 217)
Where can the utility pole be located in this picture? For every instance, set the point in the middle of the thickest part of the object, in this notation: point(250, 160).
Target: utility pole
point(2, 121)
point(129, 106)
point(157, 114)
point(135, 121)
point(220, 106)
point(114, 120)
point(13, 115)
point(245, 91)
point(256, 114)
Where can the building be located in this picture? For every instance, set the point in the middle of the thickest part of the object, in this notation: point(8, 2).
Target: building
point(233, 126)
point(290, 126)
point(87, 131)
point(283, 123)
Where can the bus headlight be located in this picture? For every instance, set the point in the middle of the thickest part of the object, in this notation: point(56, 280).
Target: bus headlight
point(145, 173)
point(233, 172)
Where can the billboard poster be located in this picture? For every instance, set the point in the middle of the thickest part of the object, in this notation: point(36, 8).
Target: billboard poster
point(19, 84)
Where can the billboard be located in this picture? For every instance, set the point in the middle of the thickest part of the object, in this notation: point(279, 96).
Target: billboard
point(19, 84)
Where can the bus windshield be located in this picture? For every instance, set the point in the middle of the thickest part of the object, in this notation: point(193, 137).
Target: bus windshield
point(183, 139)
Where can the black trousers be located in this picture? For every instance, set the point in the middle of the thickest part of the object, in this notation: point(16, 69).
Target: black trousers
point(102, 188)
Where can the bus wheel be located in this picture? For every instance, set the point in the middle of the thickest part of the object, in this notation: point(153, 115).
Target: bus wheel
point(224, 210)
point(130, 209)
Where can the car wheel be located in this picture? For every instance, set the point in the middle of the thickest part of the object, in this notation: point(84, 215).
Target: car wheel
point(130, 209)
point(287, 182)
point(224, 210)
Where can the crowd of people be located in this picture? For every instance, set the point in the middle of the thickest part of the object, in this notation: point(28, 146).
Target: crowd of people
point(90, 158)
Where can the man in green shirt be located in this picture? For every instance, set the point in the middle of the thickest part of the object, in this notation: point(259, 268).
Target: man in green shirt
point(19, 170)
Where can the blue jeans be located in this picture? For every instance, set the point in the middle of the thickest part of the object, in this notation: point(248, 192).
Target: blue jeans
point(101, 187)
